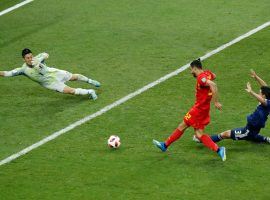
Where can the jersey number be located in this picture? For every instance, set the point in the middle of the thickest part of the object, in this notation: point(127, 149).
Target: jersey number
point(187, 116)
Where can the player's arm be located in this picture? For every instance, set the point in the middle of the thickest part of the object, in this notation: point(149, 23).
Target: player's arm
point(14, 72)
point(214, 90)
point(254, 94)
point(42, 57)
point(257, 78)
point(38, 61)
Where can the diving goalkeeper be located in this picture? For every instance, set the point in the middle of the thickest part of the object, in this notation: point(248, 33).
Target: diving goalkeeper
point(48, 77)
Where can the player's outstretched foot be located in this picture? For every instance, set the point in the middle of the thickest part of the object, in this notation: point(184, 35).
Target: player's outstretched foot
point(195, 139)
point(160, 145)
point(222, 153)
point(92, 94)
point(94, 82)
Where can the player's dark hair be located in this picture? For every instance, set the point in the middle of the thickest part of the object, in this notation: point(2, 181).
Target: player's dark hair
point(26, 51)
point(196, 63)
point(265, 90)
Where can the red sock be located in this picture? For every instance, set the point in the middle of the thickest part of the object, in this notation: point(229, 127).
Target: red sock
point(208, 142)
point(173, 137)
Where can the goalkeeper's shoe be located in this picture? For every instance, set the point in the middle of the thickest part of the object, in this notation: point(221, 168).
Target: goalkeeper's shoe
point(222, 153)
point(92, 94)
point(94, 82)
point(160, 145)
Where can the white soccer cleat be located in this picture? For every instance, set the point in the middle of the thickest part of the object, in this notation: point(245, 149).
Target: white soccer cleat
point(92, 94)
point(195, 139)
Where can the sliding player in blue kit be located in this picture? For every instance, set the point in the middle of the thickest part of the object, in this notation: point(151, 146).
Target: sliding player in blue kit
point(255, 121)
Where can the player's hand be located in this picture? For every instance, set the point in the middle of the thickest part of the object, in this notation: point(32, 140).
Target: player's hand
point(46, 55)
point(248, 89)
point(35, 62)
point(2, 73)
point(253, 73)
point(218, 105)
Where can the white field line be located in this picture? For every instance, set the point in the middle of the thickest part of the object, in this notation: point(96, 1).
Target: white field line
point(15, 7)
point(126, 98)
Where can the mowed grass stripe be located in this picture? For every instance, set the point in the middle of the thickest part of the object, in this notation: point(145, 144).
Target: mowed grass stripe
point(126, 98)
point(80, 166)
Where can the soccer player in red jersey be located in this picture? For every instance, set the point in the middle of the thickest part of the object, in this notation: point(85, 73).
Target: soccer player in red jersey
point(198, 116)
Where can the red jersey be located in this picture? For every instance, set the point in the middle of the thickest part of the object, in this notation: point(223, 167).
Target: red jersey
point(203, 92)
point(198, 116)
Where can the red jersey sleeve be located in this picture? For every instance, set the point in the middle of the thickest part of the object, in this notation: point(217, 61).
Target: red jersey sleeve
point(202, 79)
point(210, 75)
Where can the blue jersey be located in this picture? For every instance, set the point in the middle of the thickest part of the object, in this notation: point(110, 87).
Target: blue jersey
point(257, 119)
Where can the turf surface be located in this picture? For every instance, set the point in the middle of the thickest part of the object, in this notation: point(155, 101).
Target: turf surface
point(4, 4)
point(126, 45)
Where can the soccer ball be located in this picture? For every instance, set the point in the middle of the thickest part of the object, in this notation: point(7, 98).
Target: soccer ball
point(114, 141)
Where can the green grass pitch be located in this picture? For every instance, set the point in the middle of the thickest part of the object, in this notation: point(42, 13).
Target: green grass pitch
point(126, 45)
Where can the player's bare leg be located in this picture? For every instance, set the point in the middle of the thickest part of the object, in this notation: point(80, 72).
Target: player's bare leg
point(79, 77)
point(226, 134)
point(68, 90)
point(80, 91)
point(177, 133)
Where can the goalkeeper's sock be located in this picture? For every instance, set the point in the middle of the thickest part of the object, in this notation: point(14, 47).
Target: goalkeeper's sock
point(94, 82)
point(82, 78)
point(88, 80)
point(173, 137)
point(80, 91)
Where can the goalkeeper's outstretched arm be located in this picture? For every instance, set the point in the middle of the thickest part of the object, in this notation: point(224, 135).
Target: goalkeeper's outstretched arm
point(42, 57)
point(14, 72)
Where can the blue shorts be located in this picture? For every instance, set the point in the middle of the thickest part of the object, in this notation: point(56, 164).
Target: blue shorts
point(243, 134)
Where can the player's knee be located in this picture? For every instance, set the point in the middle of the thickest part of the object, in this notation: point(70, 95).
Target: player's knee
point(226, 134)
point(74, 77)
point(68, 90)
point(198, 135)
point(182, 126)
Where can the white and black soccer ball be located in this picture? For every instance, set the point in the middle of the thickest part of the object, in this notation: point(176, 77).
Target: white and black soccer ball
point(114, 141)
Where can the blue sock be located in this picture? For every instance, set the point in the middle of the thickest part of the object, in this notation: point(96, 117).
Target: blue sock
point(216, 138)
point(260, 138)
